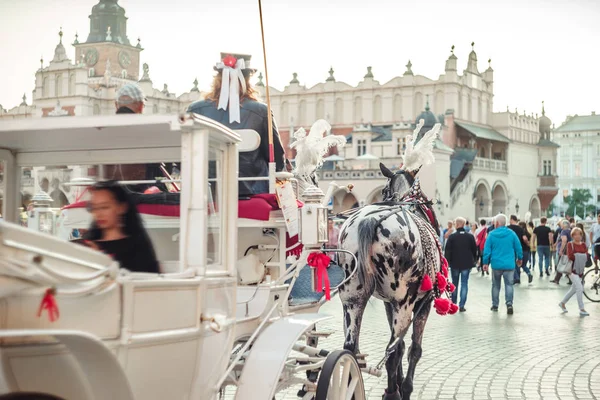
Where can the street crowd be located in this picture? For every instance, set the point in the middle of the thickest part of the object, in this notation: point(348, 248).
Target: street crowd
point(506, 248)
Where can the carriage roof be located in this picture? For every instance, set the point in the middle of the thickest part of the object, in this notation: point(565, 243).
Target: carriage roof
point(102, 139)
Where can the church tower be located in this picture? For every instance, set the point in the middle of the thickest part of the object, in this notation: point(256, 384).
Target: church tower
point(107, 50)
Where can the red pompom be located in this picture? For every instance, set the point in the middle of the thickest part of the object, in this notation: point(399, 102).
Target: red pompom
point(445, 267)
point(442, 306)
point(451, 287)
point(453, 309)
point(426, 284)
point(230, 61)
point(441, 282)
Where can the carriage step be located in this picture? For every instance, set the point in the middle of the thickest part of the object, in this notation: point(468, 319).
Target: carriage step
point(321, 334)
point(371, 371)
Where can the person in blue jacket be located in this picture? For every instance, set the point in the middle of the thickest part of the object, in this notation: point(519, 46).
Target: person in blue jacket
point(502, 248)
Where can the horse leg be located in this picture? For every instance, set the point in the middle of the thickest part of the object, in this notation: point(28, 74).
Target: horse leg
point(390, 316)
point(399, 319)
point(415, 351)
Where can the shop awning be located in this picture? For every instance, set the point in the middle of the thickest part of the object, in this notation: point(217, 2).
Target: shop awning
point(483, 133)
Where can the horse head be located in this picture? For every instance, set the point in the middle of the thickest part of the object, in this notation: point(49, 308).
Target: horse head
point(398, 184)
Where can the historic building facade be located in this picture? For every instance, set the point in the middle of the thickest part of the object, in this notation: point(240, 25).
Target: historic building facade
point(486, 162)
point(579, 158)
point(87, 84)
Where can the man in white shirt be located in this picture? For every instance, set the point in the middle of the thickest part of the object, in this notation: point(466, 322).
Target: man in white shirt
point(595, 231)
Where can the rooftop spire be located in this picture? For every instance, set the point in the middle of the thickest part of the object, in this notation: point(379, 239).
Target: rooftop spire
point(60, 54)
point(331, 78)
point(60, 35)
point(427, 104)
point(543, 109)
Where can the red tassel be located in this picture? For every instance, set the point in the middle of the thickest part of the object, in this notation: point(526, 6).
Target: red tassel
point(321, 262)
point(453, 309)
point(442, 306)
point(451, 287)
point(441, 282)
point(444, 267)
point(426, 284)
point(49, 303)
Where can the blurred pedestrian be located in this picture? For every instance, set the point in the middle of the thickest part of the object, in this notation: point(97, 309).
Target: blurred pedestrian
point(480, 236)
point(533, 244)
point(461, 253)
point(542, 234)
point(448, 231)
point(561, 248)
point(502, 248)
point(524, 241)
point(577, 252)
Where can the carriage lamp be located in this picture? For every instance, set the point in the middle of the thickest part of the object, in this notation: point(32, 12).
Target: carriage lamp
point(41, 217)
point(481, 204)
point(313, 219)
point(517, 206)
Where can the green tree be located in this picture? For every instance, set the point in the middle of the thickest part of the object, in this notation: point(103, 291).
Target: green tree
point(578, 203)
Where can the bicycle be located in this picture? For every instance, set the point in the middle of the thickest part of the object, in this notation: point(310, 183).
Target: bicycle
point(591, 279)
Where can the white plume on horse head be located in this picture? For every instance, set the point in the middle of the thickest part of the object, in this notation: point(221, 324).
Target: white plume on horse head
point(311, 147)
point(421, 153)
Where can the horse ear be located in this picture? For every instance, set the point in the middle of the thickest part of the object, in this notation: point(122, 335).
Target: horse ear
point(385, 171)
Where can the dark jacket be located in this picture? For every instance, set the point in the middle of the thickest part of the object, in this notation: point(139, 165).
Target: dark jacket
point(253, 115)
point(461, 250)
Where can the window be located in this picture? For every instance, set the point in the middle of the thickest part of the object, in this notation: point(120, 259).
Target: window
point(400, 145)
point(566, 169)
point(547, 171)
point(598, 149)
point(361, 147)
point(214, 206)
point(577, 169)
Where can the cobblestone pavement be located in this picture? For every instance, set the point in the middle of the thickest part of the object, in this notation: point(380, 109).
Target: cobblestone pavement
point(537, 353)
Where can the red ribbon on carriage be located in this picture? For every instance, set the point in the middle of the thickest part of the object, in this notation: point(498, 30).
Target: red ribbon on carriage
point(320, 262)
point(49, 303)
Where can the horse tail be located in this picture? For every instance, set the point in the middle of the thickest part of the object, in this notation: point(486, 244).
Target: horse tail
point(367, 232)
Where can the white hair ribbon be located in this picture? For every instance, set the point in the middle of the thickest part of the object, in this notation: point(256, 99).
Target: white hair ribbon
point(230, 88)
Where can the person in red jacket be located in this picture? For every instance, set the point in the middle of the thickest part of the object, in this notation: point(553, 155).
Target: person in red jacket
point(577, 252)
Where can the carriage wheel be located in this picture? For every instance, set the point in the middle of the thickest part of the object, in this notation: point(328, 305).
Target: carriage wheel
point(340, 378)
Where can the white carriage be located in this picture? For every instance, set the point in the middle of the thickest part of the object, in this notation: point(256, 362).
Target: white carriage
point(185, 333)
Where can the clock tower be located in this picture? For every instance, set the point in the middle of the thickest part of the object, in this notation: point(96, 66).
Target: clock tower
point(107, 45)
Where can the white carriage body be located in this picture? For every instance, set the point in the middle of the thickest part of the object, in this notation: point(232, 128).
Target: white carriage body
point(120, 336)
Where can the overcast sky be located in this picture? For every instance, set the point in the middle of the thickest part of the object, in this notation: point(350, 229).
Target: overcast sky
point(540, 49)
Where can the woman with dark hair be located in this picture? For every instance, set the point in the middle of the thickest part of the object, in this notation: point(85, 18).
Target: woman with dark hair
point(117, 229)
point(234, 103)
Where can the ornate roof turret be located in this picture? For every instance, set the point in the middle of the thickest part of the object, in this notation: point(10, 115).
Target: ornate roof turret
point(60, 54)
point(369, 73)
point(451, 61)
point(293, 81)
point(545, 123)
point(428, 118)
point(260, 80)
point(108, 23)
point(331, 78)
point(472, 64)
point(24, 102)
point(408, 68)
point(195, 88)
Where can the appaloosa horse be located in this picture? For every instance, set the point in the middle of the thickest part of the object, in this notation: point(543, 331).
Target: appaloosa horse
point(399, 256)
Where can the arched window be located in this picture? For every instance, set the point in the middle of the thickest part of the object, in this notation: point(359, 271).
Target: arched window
point(302, 113)
point(397, 108)
point(418, 104)
point(124, 74)
point(58, 85)
point(470, 109)
point(284, 114)
point(439, 102)
point(91, 72)
point(71, 84)
point(479, 110)
point(358, 113)
point(45, 87)
point(339, 111)
point(377, 109)
point(320, 109)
